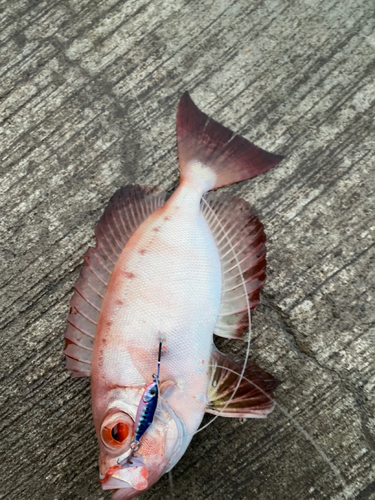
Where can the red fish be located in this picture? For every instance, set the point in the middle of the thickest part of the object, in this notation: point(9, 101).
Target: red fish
point(171, 274)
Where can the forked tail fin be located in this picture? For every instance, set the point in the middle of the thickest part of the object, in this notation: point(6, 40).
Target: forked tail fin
point(212, 154)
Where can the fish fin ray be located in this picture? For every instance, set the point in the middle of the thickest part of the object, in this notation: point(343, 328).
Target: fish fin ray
point(253, 398)
point(243, 266)
point(126, 210)
point(203, 144)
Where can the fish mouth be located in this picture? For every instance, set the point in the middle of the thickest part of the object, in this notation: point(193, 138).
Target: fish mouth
point(130, 476)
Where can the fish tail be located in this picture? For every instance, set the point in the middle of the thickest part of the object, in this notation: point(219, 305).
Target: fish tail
point(211, 155)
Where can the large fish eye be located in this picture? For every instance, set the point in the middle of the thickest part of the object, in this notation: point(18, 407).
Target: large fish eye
point(120, 432)
point(117, 430)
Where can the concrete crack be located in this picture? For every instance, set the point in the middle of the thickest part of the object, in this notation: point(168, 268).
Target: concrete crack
point(355, 392)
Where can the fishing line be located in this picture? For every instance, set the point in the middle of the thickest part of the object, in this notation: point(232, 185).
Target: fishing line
point(241, 375)
point(249, 315)
point(242, 279)
point(334, 469)
point(298, 426)
point(171, 485)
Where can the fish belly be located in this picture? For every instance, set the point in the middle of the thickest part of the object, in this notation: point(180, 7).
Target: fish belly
point(166, 285)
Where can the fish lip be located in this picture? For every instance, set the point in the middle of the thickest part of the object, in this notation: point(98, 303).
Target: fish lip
point(113, 483)
point(111, 479)
point(104, 478)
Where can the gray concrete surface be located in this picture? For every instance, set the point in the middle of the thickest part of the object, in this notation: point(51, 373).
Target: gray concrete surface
point(88, 95)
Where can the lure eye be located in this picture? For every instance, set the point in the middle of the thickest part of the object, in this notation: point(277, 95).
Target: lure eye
point(117, 430)
point(151, 392)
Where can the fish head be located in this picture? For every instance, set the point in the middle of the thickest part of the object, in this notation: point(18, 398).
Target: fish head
point(129, 472)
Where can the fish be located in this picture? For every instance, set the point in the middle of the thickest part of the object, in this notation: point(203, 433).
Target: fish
point(166, 276)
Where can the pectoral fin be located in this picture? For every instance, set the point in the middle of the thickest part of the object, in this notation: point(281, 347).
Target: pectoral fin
point(254, 395)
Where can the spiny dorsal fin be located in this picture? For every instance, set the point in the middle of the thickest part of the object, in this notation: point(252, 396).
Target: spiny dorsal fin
point(126, 210)
point(252, 399)
point(240, 238)
point(229, 157)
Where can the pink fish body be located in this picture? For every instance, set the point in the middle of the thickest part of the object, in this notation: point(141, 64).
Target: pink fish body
point(175, 273)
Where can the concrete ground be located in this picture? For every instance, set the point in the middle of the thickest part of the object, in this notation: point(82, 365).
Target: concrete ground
point(88, 95)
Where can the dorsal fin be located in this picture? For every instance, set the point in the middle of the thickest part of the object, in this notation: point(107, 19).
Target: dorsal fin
point(126, 210)
point(253, 397)
point(240, 238)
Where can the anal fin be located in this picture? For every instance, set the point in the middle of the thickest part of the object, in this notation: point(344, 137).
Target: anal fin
point(254, 395)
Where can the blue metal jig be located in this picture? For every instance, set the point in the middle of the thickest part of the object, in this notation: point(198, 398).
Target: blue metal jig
point(147, 407)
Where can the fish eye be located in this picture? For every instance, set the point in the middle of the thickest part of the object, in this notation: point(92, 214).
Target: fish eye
point(117, 430)
point(120, 432)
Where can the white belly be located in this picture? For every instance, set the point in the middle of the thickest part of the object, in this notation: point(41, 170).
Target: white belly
point(166, 284)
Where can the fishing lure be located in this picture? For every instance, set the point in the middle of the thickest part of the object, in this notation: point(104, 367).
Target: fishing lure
point(147, 407)
point(190, 267)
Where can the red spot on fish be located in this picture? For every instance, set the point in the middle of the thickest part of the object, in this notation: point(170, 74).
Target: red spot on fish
point(202, 361)
point(100, 362)
point(142, 251)
point(119, 302)
point(156, 229)
point(68, 342)
point(166, 218)
point(109, 323)
point(129, 275)
point(104, 340)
